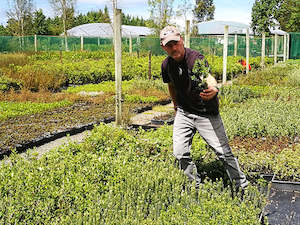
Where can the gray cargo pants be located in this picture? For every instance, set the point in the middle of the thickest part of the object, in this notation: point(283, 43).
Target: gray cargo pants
point(212, 131)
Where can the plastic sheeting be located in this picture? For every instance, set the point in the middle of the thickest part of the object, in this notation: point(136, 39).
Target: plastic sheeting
point(105, 30)
point(217, 27)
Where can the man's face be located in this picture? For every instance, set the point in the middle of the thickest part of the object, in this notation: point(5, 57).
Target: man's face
point(175, 49)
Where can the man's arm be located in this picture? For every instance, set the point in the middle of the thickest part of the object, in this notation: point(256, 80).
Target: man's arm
point(172, 92)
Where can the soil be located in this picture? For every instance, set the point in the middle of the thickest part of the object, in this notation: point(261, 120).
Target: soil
point(266, 144)
point(17, 132)
point(143, 118)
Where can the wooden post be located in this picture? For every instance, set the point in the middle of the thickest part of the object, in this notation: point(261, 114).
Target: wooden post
point(247, 50)
point(66, 43)
point(130, 45)
point(235, 44)
point(35, 43)
point(287, 46)
point(81, 43)
point(149, 66)
point(118, 64)
point(263, 49)
point(187, 34)
point(284, 47)
point(138, 43)
point(275, 48)
point(225, 50)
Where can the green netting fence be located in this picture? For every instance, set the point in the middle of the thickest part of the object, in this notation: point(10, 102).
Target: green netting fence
point(213, 44)
point(294, 45)
point(206, 44)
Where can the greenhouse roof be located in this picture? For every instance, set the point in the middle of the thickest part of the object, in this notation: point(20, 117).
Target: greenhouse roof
point(105, 30)
point(217, 27)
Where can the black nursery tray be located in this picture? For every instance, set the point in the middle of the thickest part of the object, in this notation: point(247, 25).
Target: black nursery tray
point(283, 202)
point(162, 122)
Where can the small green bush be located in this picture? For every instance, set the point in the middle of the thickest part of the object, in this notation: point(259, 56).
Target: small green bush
point(14, 109)
point(7, 84)
point(231, 94)
point(115, 177)
point(262, 117)
point(281, 74)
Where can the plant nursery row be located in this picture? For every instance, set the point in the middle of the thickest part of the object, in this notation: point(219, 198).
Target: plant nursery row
point(124, 176)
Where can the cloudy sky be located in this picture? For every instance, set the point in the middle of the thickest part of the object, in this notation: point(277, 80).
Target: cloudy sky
point(231, 10)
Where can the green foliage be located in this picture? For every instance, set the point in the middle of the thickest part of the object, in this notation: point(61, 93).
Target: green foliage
point(281, 74)
point(3, 31)
point(284, 164)
point(127, 86)
point(200, 73)
point(231, 94)
point(140, 99)
point(19, 59)
point(114, 171)
point(206, 212)
point(40, 25)
point(234, 68)
point(264, 15)
point(14, 109)
point(160, 13)
point(7, 84)
point(289, 16)
point(263, 117)
point(204, 10)
point(80, 68)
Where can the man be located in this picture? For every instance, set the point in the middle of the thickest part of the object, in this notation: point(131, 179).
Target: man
point(195, 110)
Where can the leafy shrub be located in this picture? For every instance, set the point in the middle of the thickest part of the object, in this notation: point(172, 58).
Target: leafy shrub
point(293, 77)
point(111, 179)
point(281, 74)
point(233, 66)
point(230, 94)
point(141, 99)
point(7, 84)
point(262, 117)
point(38, 76)
point(14, 109)
point(284, 164)
point(18, 59)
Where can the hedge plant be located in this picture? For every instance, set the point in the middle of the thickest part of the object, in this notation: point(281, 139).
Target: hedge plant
point(112, 179)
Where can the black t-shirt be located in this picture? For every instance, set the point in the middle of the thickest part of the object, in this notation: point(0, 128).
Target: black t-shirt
point(187, 96)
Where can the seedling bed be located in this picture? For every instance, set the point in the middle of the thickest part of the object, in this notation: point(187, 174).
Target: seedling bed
point(48, 126)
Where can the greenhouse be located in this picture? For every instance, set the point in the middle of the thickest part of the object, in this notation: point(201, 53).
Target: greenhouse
point(105, 30)
point(215, 27)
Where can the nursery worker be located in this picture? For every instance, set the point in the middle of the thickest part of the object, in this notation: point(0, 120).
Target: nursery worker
point(195, 110)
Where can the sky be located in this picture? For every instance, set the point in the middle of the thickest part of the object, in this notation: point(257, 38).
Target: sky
point(229, 10)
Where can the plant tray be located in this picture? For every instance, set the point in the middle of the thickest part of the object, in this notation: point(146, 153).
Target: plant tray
point(283, 202)
point(162, 122)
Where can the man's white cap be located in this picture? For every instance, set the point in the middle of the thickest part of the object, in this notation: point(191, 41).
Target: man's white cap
point(169, 33)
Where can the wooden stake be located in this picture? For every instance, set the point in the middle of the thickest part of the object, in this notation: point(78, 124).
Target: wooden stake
point(225, 50)
point(118, 64)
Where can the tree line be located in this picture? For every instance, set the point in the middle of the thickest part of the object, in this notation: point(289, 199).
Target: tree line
point(37, 23)
point(266, 14)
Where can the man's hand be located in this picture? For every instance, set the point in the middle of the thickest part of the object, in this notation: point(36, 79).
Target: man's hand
point(209, 93)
